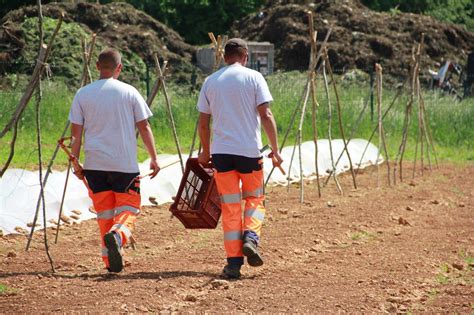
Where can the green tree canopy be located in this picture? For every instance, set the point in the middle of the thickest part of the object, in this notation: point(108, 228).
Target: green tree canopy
point(455, 11)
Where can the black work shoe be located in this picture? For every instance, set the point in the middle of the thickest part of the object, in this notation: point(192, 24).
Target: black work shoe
point(249, 249)
point(231, 272)
point(115, 257)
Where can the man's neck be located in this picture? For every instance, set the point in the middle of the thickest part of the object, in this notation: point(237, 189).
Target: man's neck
point(103, 77)
point(234, 63)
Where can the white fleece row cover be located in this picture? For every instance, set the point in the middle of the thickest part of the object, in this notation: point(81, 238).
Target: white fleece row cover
point(19, 189)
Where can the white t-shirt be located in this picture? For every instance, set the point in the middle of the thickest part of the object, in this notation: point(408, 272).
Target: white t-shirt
point(108, 109)
point(232, 95)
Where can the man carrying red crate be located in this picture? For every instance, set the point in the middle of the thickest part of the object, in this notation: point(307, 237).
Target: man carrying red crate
point(107, 112)
point(237, 98)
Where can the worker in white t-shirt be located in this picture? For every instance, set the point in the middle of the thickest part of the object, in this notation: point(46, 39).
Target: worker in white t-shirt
point(237, 98)
point(107, 112)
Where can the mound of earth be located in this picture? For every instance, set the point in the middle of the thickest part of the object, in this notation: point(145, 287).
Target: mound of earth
point(118, 25)
point(359, 36)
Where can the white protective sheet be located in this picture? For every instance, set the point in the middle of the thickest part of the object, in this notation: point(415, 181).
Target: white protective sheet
point(19, 189)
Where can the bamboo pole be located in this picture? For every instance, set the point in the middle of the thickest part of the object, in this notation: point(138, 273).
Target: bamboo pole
point(156, 86)
point(315, 131)
point(428, 135)
point(86, 78)
point(326, 89)
point(374, 130)
point(299, 104)
point(39, 96)
point(419, 139)
point(312, 74)
point(407, 119)
point(422, 120)
point(339, 115)
point(291, 164)
point(382, 140)
point(170, 113)
point(87, 57)
point(351, 136)
point(299, 136)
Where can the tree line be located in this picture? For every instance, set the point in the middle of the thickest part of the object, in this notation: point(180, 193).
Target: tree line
point(193, 18)
point(454, 11)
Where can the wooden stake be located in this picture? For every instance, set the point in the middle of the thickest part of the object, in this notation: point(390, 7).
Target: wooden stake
point(419, 138)
point(351, 136)
point(86, 78)
point(299, 104)
point(326, 88)
point(407, 119)
point(315, 130)
point(382, 141)
point(170, 113)
point(339, 115)
point(39, 95)
point(312, 65)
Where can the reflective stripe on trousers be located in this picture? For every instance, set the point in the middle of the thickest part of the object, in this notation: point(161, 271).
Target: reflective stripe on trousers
point(228, 185)
point(252, 193)
point(115, 211)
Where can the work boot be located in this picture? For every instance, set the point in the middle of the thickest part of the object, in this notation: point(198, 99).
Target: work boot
point(112, 242)
point(231, 271)
point(249, 249)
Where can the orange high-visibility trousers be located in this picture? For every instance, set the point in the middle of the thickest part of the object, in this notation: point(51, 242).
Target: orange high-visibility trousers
point(228, 185)
point(116, 211)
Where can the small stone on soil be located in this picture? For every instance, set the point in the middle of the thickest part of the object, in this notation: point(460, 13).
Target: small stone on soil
point(11, 254)
point(408, 208)
point(403, 221)
point(20, 230)
point(435, 202)
point(190, 298)
point(330, 204)
point(218, 283)
point(458, 266)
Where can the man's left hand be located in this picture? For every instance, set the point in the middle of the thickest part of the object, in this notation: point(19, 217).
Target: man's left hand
point(155, 167)
point(204, 158)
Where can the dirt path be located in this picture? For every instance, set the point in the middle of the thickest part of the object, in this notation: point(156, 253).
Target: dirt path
point(403, 249)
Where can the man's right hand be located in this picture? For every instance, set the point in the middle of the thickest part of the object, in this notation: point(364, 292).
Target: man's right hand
point(204, 158)
point(79, 172)
point(276, 158)
point(155, 167)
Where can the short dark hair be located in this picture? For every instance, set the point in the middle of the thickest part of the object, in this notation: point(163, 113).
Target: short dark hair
point(109, 58)
point(235, 47)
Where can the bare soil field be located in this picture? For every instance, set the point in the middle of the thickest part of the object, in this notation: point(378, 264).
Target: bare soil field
point(398, 250)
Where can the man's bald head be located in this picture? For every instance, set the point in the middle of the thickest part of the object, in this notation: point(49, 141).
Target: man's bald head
point(109, 59)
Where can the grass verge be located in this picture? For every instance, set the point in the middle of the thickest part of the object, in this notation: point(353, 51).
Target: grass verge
point(449, 121)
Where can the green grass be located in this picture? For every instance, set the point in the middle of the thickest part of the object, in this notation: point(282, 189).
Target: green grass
point(6, 290)
point(450, 121)
point(361, 236)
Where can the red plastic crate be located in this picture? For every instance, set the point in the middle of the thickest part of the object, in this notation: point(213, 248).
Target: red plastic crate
point(197, 204)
